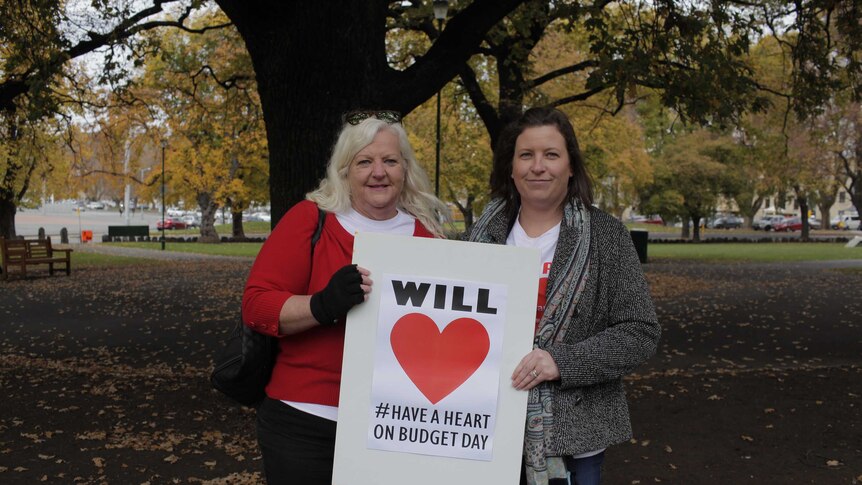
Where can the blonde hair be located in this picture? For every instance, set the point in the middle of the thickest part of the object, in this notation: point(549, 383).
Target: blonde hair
point(416, 199)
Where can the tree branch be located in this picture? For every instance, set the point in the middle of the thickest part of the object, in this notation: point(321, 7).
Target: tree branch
point(560, 72)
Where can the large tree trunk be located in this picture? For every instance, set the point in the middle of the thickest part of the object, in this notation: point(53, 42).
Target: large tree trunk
point(315, 60)
point(855, 176)
point(803, 211)
point(311, 67)
point(466, 209)
point(7, 218)
point(748, 207)
point(208, 214)
point(695, 219)
point(238, 232)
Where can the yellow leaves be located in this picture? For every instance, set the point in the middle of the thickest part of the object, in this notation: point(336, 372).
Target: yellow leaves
point(172, 459)
point(747, 438)
point(833, 463)
point(32, 436)
point(99, 462)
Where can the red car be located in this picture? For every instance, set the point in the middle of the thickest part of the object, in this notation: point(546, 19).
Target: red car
point(788, 224)
point(171, 223)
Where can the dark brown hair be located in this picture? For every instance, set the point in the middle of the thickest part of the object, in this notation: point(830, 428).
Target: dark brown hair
point(502, 185)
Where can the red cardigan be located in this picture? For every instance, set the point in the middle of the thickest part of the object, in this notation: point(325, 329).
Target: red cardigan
point(308, 368)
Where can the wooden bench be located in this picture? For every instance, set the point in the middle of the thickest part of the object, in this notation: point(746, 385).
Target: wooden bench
point(28, 252)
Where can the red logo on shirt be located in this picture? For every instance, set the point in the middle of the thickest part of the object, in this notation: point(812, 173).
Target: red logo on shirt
point(543, 287)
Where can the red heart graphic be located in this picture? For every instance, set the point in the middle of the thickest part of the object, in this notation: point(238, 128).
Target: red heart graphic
point(439, 362)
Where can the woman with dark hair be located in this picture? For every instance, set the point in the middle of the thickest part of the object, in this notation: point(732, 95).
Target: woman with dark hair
point(595, 321)
point(301, 292)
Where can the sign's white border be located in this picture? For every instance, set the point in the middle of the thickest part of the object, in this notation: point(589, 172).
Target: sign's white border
point(355, 464)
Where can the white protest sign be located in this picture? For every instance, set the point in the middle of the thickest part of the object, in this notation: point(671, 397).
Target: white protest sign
point(437, 366)
point(426, 396)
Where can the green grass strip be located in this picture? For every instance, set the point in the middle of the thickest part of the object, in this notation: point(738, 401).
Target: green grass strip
point(753, 252)
point(249, 249)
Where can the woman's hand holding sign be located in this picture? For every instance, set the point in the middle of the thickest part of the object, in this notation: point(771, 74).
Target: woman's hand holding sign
point(536, 367)
point(348, 287)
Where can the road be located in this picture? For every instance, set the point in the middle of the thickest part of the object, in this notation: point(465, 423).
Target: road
point(54, 217)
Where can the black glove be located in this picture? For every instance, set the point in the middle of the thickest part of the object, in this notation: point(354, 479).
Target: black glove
point(340, 295)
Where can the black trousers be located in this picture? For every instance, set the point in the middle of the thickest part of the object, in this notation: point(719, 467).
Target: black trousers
point(298, 448)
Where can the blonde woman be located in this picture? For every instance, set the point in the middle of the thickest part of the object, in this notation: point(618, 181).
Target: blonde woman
point(302, 294)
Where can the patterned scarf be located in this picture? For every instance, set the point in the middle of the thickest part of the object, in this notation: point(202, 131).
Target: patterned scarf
point(563, 294)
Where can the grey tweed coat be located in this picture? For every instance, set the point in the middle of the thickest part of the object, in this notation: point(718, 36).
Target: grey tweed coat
point(615, 329)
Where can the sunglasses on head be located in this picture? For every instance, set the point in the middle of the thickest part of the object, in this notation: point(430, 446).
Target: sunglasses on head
point(356, 117)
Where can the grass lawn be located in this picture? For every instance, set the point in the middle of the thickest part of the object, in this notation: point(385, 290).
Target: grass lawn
point(742, 252)
point(718, 252)
point(754, 252)
point(225, 249)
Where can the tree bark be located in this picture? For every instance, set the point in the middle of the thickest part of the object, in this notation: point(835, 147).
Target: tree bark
point(8, 209)
point(803, 216)
point(237, 231)
point(316, 60)
point(695, 219)
point(208, 214)
point(466, 210)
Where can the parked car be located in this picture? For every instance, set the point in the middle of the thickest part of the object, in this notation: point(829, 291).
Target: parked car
point(788, 224)
point(171, 223)
point(261, 216)
point(767, 223)
point(95, 205)
point(190, 220)
point(727, 222)
point(256, 216)
point(847, 222)
point(813, 222)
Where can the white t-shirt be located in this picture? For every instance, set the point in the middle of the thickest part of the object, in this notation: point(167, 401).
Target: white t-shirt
point(402, 224)
point(547, 244)
point(353, 222)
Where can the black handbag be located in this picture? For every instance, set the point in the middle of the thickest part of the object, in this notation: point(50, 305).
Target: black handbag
point(242, 369)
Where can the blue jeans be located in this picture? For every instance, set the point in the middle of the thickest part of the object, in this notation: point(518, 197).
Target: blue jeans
point(582, 471)
point(586, 471)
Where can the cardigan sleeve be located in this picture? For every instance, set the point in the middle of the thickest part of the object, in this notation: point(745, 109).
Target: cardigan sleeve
point(281, 269)
point(631, 331)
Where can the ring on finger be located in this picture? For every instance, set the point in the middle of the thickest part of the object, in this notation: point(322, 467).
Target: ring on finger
point(534, 374)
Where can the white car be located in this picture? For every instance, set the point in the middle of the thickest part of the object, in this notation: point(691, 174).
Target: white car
point(261, 216)
point(767, 223)
point(191, 220)
point(95, 205)
point(848, 222)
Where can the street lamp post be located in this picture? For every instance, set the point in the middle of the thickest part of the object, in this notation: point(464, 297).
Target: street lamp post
point(164, 144)
point(441, 7)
